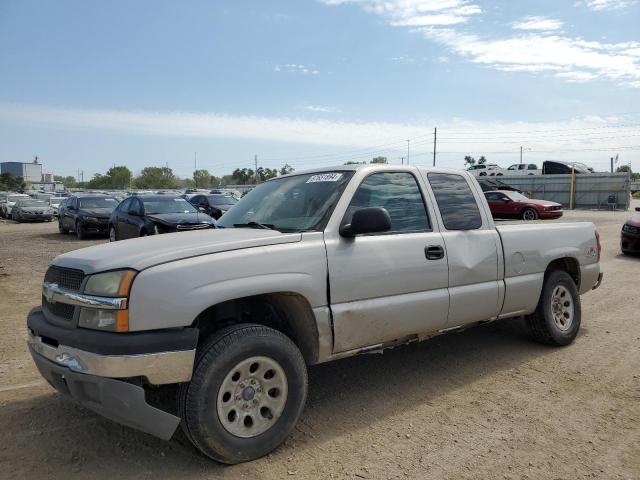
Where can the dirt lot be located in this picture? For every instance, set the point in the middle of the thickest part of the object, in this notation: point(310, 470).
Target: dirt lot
point(487, 403)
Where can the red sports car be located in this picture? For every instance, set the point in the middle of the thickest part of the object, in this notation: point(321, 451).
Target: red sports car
point(508, 204)
point(630, 236)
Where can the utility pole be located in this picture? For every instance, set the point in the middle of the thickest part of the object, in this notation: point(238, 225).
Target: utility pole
point(195, 168)
point(611, 164)
point(435, 137)
point(255, 159)
point(520, 154)
point(408, 140)
point(402, 160)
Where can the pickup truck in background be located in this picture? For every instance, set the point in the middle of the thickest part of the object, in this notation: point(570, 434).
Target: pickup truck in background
point(306, 268)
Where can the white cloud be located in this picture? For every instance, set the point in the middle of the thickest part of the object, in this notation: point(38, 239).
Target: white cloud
point(417, 13)
point(546, 51)
point(297, 68)
point(565, 57)
point(321, 109)
point(499, 141)
point(600, 5)
point(537, 23)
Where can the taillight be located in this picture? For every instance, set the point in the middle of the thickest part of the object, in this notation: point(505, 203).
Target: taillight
point(599, 246)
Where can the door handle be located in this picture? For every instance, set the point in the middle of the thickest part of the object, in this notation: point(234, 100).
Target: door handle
point(434, 252)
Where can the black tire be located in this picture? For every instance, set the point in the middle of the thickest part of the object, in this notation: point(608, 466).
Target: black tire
point(529, 214)
point(217, 358)
point(79, 231)
point(113, 235)
point(542, 325)
point(61, 229)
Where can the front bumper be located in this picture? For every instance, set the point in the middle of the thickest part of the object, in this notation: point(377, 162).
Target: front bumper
point(116, 400)
point(162, 357)
point(36, 216)
point(630, 242)
point(96, 368)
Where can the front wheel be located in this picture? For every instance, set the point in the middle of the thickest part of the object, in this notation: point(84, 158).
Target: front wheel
point(529, 214)
point(80, 232)
point(112, 234)
point(556, 320)
point(246, 395)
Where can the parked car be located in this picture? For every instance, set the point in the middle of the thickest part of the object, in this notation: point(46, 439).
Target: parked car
point(213, 204)
point(86, 214)
point(485, 170)
point(523, 169)
point(557, 167)
point(144, 215)
point(630, 235)
point(7, 206)
point(307, 268)
point(510, 204)
point(32, 209)
point(54, 203)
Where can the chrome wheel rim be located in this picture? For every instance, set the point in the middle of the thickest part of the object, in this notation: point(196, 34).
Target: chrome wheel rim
point(529, 214)
point(112, 234)
point(562, 308)
point(252, 397)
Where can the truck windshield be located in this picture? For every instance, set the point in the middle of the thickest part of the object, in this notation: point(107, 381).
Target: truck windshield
point(290, 204)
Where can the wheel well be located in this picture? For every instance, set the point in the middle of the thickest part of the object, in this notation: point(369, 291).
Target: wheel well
point(287, 312)
point(566, 264)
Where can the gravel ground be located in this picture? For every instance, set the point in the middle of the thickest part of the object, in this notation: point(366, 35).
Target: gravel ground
point(486, 403)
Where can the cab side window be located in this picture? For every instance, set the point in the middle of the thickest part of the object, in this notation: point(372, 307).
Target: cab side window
point(399, 194)
point(124, 206)
point(457, 204)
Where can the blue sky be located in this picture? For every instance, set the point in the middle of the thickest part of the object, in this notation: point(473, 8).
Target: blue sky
point(87, 84)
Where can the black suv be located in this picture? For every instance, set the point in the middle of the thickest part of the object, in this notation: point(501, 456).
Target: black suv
point(139, 216)
point(86, 214)
point(213, 204)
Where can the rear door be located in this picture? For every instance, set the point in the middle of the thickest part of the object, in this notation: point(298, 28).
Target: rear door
point(472, 245)
point(382, 286)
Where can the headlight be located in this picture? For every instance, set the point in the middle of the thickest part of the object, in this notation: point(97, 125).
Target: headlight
point(110, 284)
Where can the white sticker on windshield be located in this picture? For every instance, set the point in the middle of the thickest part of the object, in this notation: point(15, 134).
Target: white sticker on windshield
point(325, 177)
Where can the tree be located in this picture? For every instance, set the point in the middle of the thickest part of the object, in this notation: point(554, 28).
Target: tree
point(627, 168)
point(116, 177)
point(9, 182)
point(266, 173)
point(68, 182)
point(156, 177)
point(482, 160)
point(379, 160)
point(243, 176)
point(469, 160)
point(286, 169)
point(202, 179)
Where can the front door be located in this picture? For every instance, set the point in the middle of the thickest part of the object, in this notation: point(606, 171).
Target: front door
point(382, 286)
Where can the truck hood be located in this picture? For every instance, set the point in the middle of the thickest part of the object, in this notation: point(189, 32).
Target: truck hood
point(145, 252)
point(173, 219)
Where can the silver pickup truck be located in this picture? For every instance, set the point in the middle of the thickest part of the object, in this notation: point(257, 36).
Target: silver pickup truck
point(307, 268)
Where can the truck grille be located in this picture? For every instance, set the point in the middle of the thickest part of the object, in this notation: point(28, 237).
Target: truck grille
point(68, 278)
point(62, 310)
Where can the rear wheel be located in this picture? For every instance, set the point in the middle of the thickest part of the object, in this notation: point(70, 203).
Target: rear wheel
point(556, 320)
point(246, 395)
point(529, 214)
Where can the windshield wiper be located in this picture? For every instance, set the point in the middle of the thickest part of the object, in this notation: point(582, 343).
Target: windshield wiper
point(266, 226)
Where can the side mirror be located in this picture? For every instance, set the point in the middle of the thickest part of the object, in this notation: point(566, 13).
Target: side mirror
point(202, 209)
point(367, 220)
point(637, 209)
point(506, 200)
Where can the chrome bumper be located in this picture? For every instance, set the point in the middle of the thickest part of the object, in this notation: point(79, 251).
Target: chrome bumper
point(159, 368)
